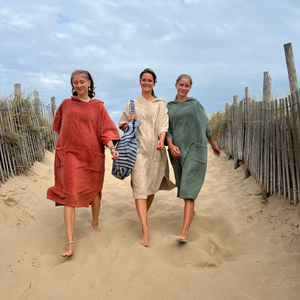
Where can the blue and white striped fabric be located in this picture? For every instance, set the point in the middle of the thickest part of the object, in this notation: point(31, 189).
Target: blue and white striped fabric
point(127, 148)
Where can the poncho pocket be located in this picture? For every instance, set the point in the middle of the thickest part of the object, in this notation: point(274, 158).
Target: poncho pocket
point(98, 162)
point(60, 156)
point(198, 152)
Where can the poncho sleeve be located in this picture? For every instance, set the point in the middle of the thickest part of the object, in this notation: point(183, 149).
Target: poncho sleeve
point(164, 120)
point(57, 120)
point(208, 131)
point(109, 131)
point(124, 117)
point(169, 132)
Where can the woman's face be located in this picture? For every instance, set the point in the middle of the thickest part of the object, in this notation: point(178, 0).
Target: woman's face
point(183, 87)
point(147, 83)
point(81, 85)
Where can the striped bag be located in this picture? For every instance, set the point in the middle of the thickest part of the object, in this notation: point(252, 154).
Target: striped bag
point(127, 148)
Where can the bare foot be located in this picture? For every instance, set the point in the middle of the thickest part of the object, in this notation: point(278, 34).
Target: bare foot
point(70, 250)
point(145, 239)
point(183, 235)
point(95, 226)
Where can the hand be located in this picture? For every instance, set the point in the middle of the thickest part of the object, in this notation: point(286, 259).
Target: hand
point(216, 149)
point(175, 151)
point(132, 117)
point(115, 154)
point(160, 146)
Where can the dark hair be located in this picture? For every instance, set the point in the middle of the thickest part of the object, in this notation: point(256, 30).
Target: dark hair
point(89, 77)
point(150, 71)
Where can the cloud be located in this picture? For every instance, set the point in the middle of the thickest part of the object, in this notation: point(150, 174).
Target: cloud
point(224, 45)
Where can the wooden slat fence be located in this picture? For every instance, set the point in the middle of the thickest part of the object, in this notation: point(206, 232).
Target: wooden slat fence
point(25, 133)
point(265, 135)
point(269, 143)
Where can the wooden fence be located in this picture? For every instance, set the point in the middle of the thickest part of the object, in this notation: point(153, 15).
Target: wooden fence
point(265, 135)
point(25, 132)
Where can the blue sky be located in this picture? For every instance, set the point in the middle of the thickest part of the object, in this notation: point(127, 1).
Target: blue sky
point(225, 45)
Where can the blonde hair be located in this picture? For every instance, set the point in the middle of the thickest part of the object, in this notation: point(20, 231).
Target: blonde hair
point(188, 77)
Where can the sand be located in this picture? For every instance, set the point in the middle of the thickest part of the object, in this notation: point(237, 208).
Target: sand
point(240, 246)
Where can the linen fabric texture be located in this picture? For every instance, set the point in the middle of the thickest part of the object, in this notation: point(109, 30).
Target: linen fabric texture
point(188, 130)
point(127, 148)
point(84, 128)
point(151, 170)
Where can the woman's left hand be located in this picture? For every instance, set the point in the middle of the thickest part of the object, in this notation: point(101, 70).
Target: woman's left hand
point(115, 154)
point(160, 146)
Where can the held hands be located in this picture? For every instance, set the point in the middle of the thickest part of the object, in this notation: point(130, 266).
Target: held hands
point(174, 151)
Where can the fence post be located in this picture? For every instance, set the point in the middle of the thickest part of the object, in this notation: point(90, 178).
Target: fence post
point(235, 132)
point(289, 57)
point(295, 97)
point(17, 91)
point(247, 133)
point(267, 89)
point(267, 92)
point(53, 106)
point(229, 135)
point(291, 68)
point(36, 101)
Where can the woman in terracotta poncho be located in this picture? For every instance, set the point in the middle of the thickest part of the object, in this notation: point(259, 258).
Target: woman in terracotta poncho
point(186, 138)
point(84, 128)
point(150, 172)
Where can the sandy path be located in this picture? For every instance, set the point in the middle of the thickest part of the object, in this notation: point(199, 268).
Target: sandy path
point(239, 248)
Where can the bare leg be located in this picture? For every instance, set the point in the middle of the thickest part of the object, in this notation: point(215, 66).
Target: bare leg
point(69, 215)
point(96, 211)
point(149, 201)
point(141, 207)
point(188, 215)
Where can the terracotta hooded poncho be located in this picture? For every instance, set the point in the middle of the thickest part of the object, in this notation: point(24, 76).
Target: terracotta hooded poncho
point(151, 170)
point(188, 130)
point(84, 128)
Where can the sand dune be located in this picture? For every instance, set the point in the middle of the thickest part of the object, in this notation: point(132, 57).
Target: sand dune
point(239, 248)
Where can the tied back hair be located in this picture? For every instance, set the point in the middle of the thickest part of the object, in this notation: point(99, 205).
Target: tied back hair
point(188, 77)
point(87, 76)
point(150, 71)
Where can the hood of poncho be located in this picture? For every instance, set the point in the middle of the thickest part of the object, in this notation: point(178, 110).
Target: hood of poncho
point(142, 98)
point(177, 102)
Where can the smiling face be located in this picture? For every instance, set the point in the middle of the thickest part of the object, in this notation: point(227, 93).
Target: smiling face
point(81, 86)
point(147, 83)
point(183, 87)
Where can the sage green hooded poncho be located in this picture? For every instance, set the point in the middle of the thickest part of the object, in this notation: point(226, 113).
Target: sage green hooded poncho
point(188, 130)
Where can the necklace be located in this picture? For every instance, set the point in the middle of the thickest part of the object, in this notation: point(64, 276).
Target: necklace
point(83, 99)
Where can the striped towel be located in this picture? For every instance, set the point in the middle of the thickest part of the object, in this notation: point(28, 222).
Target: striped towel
point(127, 148)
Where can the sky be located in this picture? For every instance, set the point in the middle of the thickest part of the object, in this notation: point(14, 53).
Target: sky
point(224, 45)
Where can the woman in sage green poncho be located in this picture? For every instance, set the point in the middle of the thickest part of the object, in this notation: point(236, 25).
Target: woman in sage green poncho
point(186, 138)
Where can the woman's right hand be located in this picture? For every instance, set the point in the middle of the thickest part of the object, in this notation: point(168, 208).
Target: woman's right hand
point(132, 117)
point(174, 151)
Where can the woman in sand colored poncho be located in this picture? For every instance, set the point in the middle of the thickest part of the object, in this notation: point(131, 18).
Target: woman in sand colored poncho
point(150, 172)
point(84, 128)
point(186, 138)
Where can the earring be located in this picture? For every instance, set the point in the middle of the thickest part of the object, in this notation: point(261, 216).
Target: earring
point(90, 89)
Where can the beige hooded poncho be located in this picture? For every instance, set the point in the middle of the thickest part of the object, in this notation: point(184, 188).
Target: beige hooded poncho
point(151, 170)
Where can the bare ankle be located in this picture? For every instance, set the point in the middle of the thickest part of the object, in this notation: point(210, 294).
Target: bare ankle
point(95, 227)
